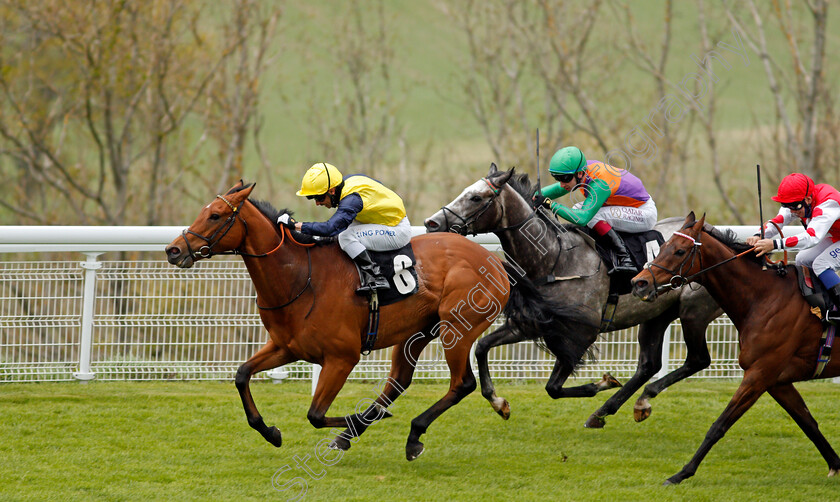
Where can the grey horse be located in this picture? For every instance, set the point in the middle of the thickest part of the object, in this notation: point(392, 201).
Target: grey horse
point(536, 242)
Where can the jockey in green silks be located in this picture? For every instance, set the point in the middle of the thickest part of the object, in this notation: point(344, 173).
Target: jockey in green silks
point(613, 200)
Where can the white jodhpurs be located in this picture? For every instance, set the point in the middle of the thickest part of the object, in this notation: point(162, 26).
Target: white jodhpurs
point(625, 218)
point(358, 237)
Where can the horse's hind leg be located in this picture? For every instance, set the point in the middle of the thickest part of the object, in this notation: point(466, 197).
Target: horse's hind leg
point(403, 362)
point(694, 322)
point(563, 369)
point(269, 356)
point(461, 383)
point(650, 361)
point(789, 398)
point(502, 336)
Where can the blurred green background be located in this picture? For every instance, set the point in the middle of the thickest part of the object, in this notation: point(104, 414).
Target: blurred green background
point(422, 95)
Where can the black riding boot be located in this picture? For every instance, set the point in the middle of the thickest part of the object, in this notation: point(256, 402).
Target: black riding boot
point(624, 263)
point(832, 315)
point(372, 278)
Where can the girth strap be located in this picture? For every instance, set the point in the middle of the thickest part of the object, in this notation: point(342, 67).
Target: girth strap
point(825, 350)
point(369, 339)
point(608, 314)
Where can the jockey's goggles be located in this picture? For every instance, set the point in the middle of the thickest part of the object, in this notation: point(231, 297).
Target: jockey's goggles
point(794, 206)
point(563, 178)
point(317, 198)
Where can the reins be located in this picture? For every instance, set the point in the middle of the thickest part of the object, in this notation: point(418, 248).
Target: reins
point(463, 227)
point(206, 251)
point(677, 278)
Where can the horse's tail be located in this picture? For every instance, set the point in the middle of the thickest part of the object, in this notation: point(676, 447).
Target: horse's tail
point(565, 328)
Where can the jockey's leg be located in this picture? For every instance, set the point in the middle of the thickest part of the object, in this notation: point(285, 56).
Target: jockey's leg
point(824, 265)
point(606, 236)
point(358, 238)
point(608, 219)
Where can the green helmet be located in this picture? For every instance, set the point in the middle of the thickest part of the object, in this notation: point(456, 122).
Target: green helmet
point(568, 160)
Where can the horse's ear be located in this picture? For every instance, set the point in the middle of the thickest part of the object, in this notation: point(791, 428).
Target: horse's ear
point(503, 178)
point(493, 168)
point(699, 225)
point(244, 193)
point(689, 220)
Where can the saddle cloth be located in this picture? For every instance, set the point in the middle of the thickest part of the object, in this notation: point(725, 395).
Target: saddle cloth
point(398, 267)
point(643, 247)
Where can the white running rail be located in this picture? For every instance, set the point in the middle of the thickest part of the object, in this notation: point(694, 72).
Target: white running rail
point(147, 320)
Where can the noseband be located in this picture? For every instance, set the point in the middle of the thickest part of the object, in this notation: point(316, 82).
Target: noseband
point(206, 251)
point(678, 280)
point(466, 225)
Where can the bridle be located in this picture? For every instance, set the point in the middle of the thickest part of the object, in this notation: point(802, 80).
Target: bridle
point(206, 251)
point(679, 280)
point(466, 225)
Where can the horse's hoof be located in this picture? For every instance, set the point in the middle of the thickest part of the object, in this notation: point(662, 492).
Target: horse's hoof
point(274, 437)
point(672, 481)
point(641, 410)
point(413, 450)
point(608, 382)
point(595, 422)
point(385, 413)
point(339, 443)
point(832, 473)
point(502, 407)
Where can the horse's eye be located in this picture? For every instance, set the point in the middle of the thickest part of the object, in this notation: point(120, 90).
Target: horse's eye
point(679, 252)
point(475, 198)
point(215, 216)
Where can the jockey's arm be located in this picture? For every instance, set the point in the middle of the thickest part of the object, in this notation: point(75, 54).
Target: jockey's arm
point(345, 213)
point(783, 218)
point(597, 193)
point(553, 191)
point(822, 218)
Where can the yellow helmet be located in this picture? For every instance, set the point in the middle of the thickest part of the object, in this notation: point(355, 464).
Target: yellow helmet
point(318, 179)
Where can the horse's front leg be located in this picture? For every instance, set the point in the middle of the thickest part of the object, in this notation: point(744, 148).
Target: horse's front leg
point(333, 375)
point(269, 356)
point(790, 399)
point(651, 334)
point(403, 361)
point(502, 336)
point(748, 392)
point(694, 322)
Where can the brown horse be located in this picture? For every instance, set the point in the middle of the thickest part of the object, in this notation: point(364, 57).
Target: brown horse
point(305, 293)
point(778, 335)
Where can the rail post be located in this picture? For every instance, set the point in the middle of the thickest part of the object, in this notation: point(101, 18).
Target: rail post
point(91, 265)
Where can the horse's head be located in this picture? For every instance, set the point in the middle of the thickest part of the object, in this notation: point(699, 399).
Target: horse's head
point(476, 209)
point(677, 259)
point(217, 229)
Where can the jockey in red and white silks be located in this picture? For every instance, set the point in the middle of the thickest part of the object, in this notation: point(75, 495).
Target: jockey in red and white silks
point(818, 208)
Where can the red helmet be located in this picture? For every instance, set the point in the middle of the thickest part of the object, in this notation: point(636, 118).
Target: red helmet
point(794, 187)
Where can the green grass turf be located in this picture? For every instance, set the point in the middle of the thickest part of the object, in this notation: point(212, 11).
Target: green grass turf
point(190, 441)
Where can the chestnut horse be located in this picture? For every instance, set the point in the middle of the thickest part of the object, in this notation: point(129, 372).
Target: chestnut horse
point(778, 335)
point(305, 293)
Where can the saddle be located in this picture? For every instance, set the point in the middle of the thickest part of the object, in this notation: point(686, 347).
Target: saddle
point(812, 290)
point(643, 247)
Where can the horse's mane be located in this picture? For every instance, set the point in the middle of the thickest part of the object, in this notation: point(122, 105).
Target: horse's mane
point(273, 213)
point(521, 184)
point(730, 239)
